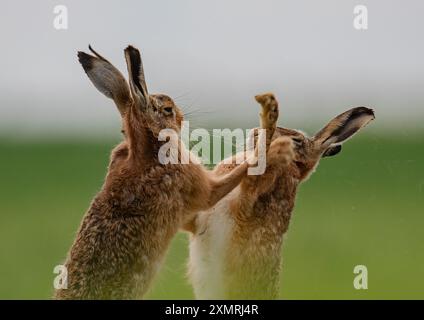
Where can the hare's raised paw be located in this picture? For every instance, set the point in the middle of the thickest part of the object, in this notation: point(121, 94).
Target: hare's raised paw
point(269, 112)
point(281, 150)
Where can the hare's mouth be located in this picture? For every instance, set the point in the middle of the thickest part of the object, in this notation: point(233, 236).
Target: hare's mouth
point(301, 165)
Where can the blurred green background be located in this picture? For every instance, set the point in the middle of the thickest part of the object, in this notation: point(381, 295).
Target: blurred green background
point(363, 206)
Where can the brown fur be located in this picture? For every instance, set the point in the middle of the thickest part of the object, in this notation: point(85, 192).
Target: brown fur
point(126, 231)
point(259, 212)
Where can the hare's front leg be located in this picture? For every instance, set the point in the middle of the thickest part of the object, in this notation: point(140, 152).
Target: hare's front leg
point(281, 152)
point(268, 121)
point(268, 115)
point(279, 156)
point(222, 185)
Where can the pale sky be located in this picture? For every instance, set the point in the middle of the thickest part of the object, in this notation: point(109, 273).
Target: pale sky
point(215, 56)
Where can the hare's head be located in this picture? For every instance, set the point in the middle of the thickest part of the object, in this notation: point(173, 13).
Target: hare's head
point(160, 109)
point(164, 113)
point(155, 111)
point(327, 142)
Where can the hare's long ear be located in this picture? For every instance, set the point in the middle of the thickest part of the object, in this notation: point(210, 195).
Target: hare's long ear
point(329, 139)
point(106, 78)
point(136, 75)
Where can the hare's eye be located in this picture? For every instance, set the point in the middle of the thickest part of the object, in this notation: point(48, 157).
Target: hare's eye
point(168, 110)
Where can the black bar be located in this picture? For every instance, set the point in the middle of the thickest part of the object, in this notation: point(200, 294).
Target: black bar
point(194, 309)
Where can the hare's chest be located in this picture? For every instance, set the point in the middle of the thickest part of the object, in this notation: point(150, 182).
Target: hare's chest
point(209, 250)
point(160, 187)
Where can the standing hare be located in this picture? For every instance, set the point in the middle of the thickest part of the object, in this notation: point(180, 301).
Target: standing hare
point(126, 231)
point(235, 247)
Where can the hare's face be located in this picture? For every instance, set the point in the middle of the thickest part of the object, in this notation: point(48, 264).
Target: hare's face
point(306, 156)
point(327, 142)
point(166, 114)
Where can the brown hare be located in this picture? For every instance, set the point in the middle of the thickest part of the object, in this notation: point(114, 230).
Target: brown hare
point(235, 247)
point(127, 229)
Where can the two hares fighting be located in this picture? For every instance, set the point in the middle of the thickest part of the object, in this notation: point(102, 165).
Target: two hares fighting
point(142, 204)
point(235, 247)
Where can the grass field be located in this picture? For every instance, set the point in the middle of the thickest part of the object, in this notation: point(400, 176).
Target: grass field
point(364, 206)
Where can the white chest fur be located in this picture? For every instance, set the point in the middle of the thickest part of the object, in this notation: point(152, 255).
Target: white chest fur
point(208, 249)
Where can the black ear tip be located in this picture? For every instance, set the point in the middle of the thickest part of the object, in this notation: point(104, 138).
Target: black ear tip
point(134, 54)
point(92, 50)
point(132, 49)
point(364, 111)
point(86, 60)
point(368, 111)
point(371, 112)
